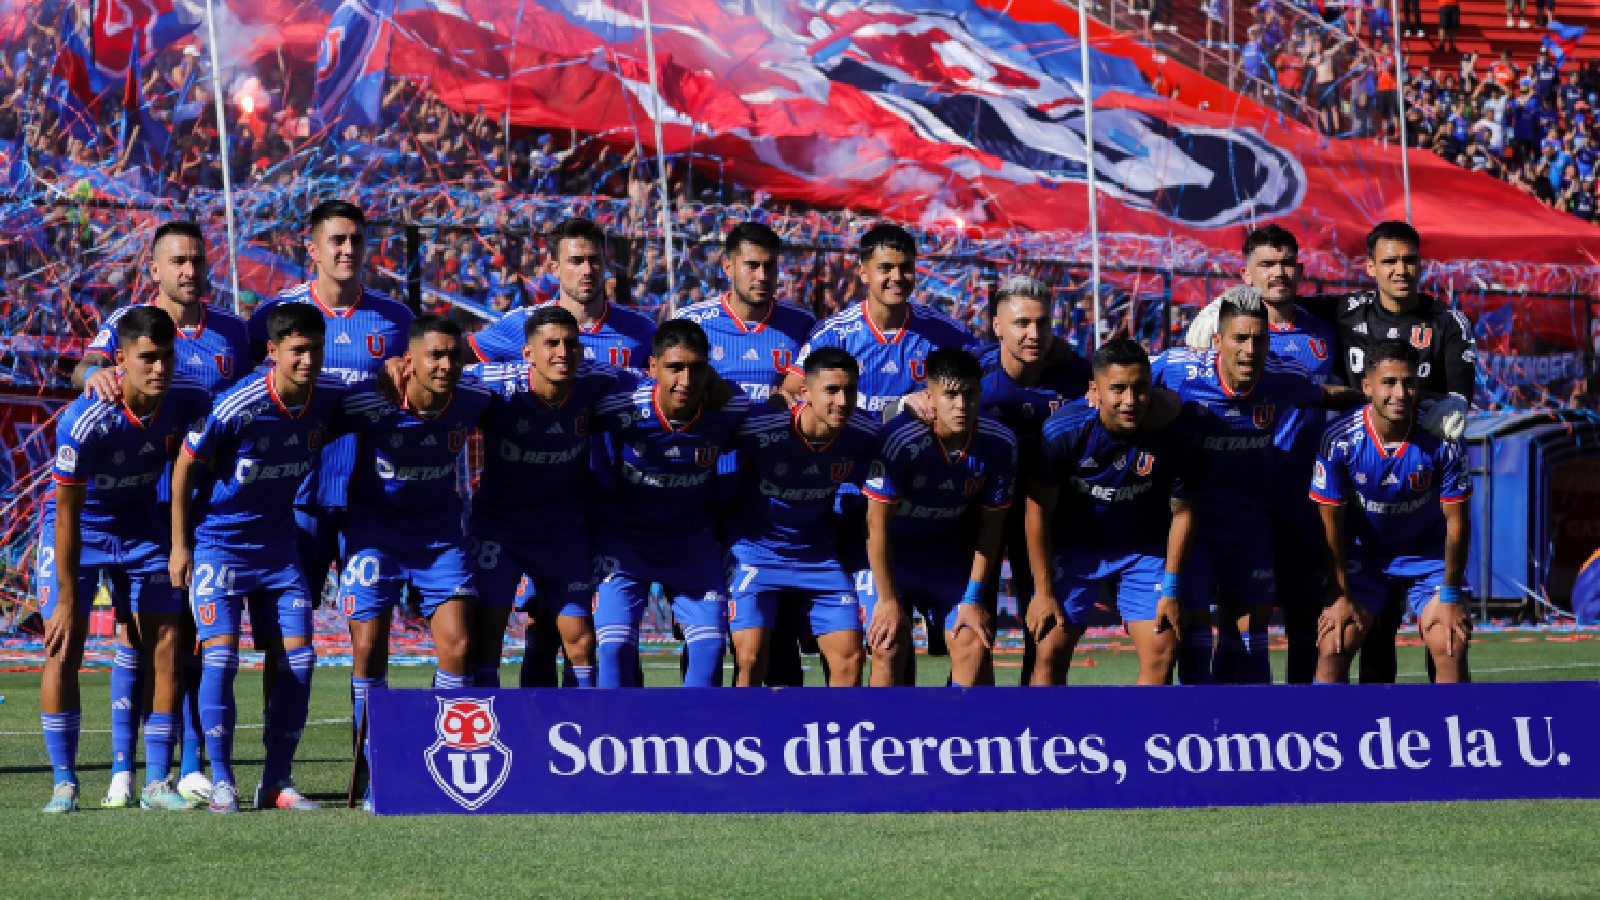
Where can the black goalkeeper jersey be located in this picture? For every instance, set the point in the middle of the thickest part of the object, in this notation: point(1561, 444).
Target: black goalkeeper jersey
point(1442, 337)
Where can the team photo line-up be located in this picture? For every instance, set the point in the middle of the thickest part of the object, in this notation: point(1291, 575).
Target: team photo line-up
point(750, 463)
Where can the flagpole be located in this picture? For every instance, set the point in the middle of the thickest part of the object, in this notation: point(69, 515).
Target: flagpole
point(661, 158)
point(222, 150)
point(1088, 135)
point(1400, 96)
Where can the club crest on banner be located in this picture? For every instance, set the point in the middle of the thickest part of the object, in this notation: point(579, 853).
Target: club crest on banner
point(468, 761)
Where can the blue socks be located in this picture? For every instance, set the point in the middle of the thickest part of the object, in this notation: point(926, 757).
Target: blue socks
point(61, 743)
point(583, 676)
point(1194, 655)
point(619, 655)
point(159, 732)
point(705, 662)
point(358, 699)
point(126, 698)
point(286, 713)
point(1254, 665)
point(443, 680)
point(218, 711)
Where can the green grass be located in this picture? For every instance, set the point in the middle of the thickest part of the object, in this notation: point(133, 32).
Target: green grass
point(1517, 848)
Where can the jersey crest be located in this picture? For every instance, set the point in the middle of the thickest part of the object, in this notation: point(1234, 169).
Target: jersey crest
point(621, 356)
point(224, 365)
point(1421, 336)
point(782, 359)
point(1319, 347)
point(1263, 414)
point(706, 457)
point(376, 344)
point(919, 371)
point(457, 440)
point(1420, 479)
point(1144, 463)
point(839, 471)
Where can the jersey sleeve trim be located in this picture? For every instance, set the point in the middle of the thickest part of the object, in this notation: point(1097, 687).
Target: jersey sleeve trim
point(1325, 500)
point(877, 497)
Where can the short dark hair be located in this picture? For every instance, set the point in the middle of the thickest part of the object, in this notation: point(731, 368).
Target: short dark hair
point(337, 209)
point(1391, 351)
point(1228, 310)
point(1120, 352)
point(685, 333)
point(1275, 236)
point(288, 319)
point(755, 234)
point(825, 358)
point(1392, 231)
point(957, 366)
point(891, 236)
point(575, 229)
point(181, 228)
point(548, 315)
point(428, 323)
point(145, 321)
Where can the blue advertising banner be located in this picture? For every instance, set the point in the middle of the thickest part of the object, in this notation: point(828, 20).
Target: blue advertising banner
point(921, 749)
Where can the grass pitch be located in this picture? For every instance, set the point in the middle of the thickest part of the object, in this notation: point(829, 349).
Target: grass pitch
point(1514, 848)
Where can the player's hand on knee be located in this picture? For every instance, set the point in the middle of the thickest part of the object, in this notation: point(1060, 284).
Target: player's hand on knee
point(1169, 616)
point(1453, 618)
point(180, 567)
point(883, 632)
point(1044, 615)
point(105, 384)
point(58, 631)
point(1341, 623)
point(975, 616)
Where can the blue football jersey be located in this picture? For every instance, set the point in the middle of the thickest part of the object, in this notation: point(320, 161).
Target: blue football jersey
point(257, 451)
point(622, 337)
point(1241, 437)
point(536, 457)
point(1309, 341)
point(753, 355)
point(359, 339)
point(1391, 494)
point(215, 353)
point(936, 486)
point(1114, 491)
point(787, 485)
point(120, 457)
point(406, 474)
point(660, 476)
point(1025, 409)
point(891, 364)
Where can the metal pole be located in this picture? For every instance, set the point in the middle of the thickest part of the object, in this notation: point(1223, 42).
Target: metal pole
point(1400, 97)
point(661, 159)
point(414, 269)
point(1233, 60)
point(1088, 138)
point(222, 150)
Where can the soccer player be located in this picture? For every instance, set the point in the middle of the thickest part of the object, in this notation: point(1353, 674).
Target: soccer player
point(530, 516)
point(364, 329)
point(1027, 375)
point(939, 495)
point(213, 349)
point(103, 519)
point(1236, 394)
point(1395, 521)
point(657, 510)
point(754, 339)
point(611, 334)
point(792, 464)
point(240, 468)
point(406, 514)
point(1106, 506)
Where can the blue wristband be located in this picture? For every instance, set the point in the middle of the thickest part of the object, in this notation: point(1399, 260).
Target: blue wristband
point(1169, 584)
point(1449, 594)
point(974, 594)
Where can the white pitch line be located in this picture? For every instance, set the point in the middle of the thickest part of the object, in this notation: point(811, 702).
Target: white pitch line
point(1476, 670)
point(252, 726)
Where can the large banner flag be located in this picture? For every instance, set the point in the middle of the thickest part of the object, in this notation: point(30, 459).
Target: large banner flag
point(921, 749)
point(1561, 39)
point(351, 62)
point(125, 28)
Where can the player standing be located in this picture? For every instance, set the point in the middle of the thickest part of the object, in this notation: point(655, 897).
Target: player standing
point(1395, 521)
point(1105, 505)
point(940, 493)
point(406, 514)
point(657, 511)
point(103, 519)
point(213, 349)
point(792, 465)
point(260, 441)
point(1235, 396)
point(530, 516)
point(1027, 375)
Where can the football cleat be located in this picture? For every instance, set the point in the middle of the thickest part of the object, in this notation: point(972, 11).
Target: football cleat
point(120, 794)
point(63, 799)
point(195, 788)
point(283, 795)
point(162, 795)
point(224, 799)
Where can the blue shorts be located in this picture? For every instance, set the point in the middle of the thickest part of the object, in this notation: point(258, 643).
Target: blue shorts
point(692, 576)
point(1373, 581)
point(379, 568)
point(560, 572)
point(135, 567)
point(319, 540)
point(223, 585)
point(758, 579)
point(1079, 572)
point(931, 583)
point(1230, 562)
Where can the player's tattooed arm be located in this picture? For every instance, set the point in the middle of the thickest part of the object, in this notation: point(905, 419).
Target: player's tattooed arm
point(788, 393)
point(1340, 618)
point(1180, 536)
point(889, 623)
point(1044, 608)
point(60, 633)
